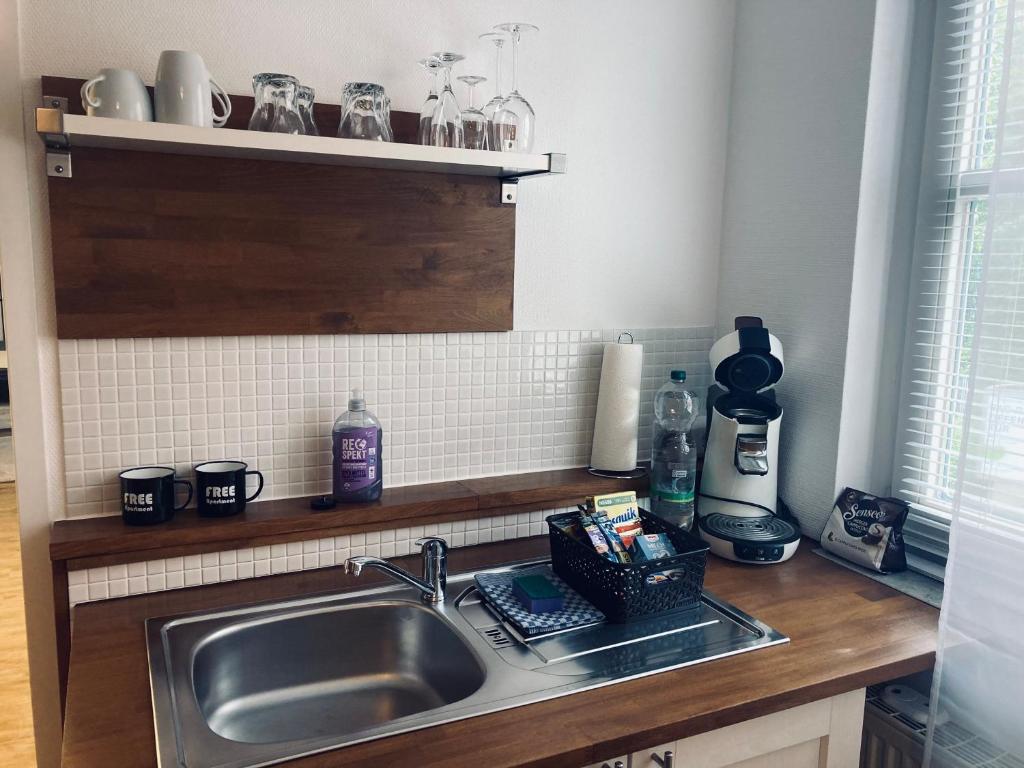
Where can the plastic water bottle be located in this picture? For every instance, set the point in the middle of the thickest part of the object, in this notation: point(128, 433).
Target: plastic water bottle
point(673, 453)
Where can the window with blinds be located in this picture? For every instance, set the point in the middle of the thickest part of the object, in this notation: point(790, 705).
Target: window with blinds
point(975, 135)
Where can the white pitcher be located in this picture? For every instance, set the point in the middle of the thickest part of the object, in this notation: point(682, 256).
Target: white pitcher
point(184, 89)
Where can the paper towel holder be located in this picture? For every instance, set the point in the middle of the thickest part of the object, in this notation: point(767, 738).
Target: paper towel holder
point(631, 474)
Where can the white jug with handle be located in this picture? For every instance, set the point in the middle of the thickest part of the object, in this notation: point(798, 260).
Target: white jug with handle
point(184, 89)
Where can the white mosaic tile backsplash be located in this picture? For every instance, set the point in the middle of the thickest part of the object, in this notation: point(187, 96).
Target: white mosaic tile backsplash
point(213, 567)
point(453, 406)
point(176, 572)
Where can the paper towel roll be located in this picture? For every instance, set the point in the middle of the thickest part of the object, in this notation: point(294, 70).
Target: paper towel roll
point(618, 408)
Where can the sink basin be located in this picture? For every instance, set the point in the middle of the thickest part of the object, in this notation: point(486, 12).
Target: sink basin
point(264, 684)
point(320, 673)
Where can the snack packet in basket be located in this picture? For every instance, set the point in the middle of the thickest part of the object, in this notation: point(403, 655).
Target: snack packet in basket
point(624, 513)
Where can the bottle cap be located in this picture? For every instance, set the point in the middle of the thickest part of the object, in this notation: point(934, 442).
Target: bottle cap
point(357, 402)
point(678, 375)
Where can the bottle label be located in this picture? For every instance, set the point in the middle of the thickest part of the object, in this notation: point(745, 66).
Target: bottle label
point(672, 496)
point(672, 482)
point(355, 458)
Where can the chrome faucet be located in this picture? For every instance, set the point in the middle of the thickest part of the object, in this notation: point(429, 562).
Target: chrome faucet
point(435, 569)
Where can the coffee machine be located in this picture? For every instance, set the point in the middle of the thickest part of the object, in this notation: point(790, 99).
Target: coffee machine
point(738, 508)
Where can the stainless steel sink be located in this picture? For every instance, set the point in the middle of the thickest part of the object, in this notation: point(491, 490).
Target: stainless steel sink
point(264, 684)
point(321, 673)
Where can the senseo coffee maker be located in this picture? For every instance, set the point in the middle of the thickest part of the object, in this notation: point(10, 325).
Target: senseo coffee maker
point(738, 506)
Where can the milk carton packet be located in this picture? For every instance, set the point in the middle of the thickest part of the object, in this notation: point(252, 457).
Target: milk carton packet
point(867, 530)
point(622, 510)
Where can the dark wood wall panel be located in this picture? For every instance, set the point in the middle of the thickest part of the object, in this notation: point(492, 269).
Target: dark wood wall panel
point(149, 244)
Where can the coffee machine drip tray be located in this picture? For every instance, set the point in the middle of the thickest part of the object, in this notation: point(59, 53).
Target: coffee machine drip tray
point(766, 539)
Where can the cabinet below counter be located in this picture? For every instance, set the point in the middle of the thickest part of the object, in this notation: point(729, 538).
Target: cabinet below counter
point(821, 734)
point(846, 632)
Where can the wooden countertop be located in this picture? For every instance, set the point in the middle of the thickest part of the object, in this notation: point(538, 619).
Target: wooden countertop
point(846, 632)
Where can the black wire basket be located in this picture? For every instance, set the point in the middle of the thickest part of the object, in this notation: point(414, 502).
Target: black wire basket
point(621, 590)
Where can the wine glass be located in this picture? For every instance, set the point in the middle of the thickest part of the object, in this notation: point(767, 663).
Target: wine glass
point(514, 120)
point(431, 66)
point(446, 124)
point(495, 103)
point(474, 123)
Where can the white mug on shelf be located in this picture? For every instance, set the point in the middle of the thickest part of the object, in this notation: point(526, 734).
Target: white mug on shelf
point(183, 92)
point(117, 93)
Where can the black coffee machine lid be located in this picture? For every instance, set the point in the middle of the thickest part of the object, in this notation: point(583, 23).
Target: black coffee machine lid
point(749, 359)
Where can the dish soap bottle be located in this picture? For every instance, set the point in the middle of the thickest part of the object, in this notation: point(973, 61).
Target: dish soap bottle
point(357, 444)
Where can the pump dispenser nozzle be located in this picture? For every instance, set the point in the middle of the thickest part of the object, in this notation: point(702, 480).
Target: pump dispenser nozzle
point(357, 402)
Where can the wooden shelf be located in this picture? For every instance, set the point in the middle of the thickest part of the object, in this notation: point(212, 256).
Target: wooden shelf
point(65, 127)
point(107, 540)
point(68, 131)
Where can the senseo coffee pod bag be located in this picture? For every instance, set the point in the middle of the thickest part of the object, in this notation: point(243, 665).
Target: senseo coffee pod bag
point(867, 530)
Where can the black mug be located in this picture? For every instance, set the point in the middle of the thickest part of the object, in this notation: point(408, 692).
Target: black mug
point(147, 495)
point(220, 487)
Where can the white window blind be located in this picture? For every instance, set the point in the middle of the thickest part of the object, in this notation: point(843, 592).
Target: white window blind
point(976, 140)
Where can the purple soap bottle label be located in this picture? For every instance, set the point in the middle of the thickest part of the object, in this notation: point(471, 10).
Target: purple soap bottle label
point(355, 458)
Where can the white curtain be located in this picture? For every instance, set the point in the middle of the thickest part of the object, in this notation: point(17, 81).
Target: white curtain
point(978, 688)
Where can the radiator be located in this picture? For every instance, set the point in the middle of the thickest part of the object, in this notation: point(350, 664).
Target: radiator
point(891, 739)
point(894, 740)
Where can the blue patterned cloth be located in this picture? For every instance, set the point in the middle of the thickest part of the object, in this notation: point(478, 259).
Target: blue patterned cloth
point(497, 590)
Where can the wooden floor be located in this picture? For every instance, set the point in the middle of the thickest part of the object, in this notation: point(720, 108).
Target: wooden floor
point(17, 747)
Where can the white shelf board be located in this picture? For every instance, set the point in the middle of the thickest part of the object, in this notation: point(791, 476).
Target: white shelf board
point(110, 133)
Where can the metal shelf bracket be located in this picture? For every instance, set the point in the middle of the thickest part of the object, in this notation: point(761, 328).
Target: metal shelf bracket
point(509, 191)
point(50, 127)
point(58, 164)
point(557, 163)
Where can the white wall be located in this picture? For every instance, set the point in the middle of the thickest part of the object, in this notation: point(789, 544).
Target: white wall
point(32, 360)
point(637, 95)
point(796, 140)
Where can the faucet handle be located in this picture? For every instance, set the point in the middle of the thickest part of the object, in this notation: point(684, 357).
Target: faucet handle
point(436, 543)
point(435, 565)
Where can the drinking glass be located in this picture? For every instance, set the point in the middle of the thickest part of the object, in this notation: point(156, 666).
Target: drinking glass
point(275, 110)
point(431, 66)
point(446, 123)
point(260, 110)
point(495, 103)
point(304, 98)
point(365, 113)
point(514, 121)
point(474, 123)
